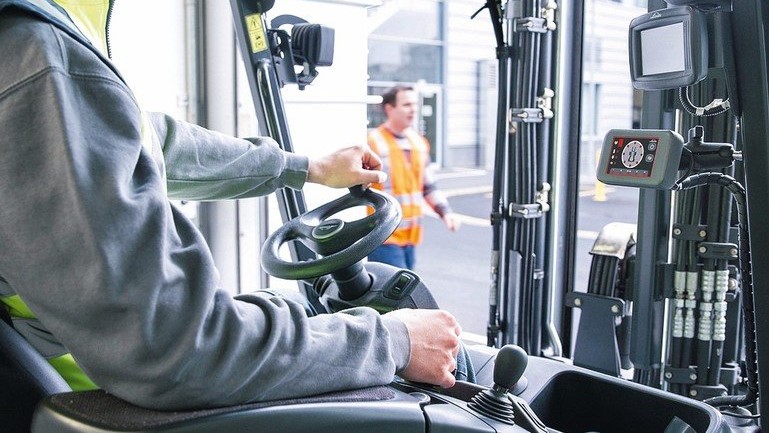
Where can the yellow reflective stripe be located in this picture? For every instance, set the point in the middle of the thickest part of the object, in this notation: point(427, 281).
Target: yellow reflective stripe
point(71, 372)
point(91, 18)
point(64, 364)
point(17, 307)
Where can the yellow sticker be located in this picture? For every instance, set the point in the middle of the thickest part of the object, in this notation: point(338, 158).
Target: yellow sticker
point(256, 32)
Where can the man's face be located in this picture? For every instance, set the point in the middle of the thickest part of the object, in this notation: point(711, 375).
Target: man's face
point(401, 115)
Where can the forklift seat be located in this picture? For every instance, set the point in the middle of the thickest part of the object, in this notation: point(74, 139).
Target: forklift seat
point(25, 379)
point(35, 398)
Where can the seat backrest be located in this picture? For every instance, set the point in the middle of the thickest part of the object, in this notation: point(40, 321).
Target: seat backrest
point(25, 378)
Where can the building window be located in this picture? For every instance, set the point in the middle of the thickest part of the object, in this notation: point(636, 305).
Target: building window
point(591, 140)
point(591, 93)
point(406, 41)
point(404, 61)
point(406, 46)
point(592, 53)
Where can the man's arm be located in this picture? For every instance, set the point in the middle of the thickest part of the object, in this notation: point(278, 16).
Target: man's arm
point(206, 165)
point(435, 198)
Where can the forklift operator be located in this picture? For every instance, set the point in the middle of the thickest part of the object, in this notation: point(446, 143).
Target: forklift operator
point(115, 286)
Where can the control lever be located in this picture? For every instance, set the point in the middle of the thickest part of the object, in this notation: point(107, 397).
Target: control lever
point(508, 368)
point(497, 403)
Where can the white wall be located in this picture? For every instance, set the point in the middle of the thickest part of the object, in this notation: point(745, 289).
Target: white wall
point(149, 50)
point(467, 42)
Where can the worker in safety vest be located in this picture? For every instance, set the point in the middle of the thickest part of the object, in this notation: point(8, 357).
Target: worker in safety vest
point(406, 158)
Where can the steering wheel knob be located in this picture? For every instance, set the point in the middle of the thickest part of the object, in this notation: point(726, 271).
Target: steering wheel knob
point(327, 229)
point(338, 244)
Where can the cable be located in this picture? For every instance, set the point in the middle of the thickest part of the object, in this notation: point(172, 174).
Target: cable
point(746, 276)
point(743, 416)
point(688, 169)
point(694, 110)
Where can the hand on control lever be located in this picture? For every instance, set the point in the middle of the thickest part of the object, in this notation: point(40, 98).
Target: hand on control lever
point(434, 336)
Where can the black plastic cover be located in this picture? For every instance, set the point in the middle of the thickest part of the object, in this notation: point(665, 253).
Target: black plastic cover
point(313, 44)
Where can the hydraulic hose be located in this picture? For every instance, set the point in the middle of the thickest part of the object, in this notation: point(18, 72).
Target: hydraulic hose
point(746, 279)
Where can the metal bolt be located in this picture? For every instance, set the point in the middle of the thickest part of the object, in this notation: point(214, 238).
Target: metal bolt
point(577, 302)
point(614, 309)
point(677, 232)
point(668, 375)
point(703, 250)
point(703, 233)
point(733, 252)
point(693, 376)
point(693, 393)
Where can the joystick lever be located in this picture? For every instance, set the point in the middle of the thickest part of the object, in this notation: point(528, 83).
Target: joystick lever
point(509, 366)
point(497, 403)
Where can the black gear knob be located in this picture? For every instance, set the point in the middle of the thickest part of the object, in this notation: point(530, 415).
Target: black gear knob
point(509, 366)
point(495, 402)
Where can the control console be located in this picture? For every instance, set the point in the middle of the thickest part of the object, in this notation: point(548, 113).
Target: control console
point(642, 158)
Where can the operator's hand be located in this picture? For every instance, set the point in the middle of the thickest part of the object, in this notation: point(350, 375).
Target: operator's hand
point(434, 336)
point(347, 167)
point(452, 222)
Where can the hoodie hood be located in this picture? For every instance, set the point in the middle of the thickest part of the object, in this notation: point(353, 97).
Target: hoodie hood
point(49, 11)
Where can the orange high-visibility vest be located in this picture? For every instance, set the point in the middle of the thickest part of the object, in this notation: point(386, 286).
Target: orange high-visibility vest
point(405, 180)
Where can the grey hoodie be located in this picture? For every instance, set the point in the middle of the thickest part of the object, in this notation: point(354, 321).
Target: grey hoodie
point(113, 271)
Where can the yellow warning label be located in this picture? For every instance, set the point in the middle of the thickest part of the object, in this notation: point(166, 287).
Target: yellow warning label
point(256, 32)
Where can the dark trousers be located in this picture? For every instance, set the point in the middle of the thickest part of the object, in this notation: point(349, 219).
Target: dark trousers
point(400, 257)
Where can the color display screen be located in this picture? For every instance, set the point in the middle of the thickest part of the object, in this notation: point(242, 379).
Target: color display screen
point(632, 157)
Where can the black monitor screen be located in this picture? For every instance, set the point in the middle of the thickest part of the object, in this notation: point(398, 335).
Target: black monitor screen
point(663, 50)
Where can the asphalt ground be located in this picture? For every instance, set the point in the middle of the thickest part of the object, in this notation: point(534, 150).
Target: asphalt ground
point(456, 266)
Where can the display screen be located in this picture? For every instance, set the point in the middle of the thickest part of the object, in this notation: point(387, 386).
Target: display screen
point(663, 49)
point(632, 157)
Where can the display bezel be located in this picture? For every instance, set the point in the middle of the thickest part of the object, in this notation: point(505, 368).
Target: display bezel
point(664, 168)
point(694, 50)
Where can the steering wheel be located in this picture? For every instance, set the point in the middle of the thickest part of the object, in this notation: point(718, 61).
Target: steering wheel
point(340, 244)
